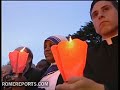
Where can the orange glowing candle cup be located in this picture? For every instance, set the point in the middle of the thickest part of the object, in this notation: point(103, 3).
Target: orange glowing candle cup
point(18, 60)
point(70, 57)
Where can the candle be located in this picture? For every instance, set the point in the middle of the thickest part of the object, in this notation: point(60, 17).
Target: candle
point(13, 56)
point(70, 57)
point(18, 60)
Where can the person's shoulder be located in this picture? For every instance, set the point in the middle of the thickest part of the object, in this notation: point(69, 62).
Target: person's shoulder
point(34, 75)
point(94, 52)
point(95, 48)
point(35, 70)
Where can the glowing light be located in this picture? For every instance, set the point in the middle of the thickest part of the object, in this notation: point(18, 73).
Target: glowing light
point(22, 49)
point(70, 44)
point(70, 39)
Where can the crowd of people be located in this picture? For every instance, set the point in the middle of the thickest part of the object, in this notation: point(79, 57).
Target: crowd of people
point(101, 70)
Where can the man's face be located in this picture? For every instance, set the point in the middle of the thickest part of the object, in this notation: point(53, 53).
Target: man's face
point(105, 19)
point(47, 51)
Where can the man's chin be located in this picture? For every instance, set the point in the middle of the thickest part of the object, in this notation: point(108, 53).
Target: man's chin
point(105, 30)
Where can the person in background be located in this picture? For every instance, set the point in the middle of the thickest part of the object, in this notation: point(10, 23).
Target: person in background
point(33, 65)
point(29, 74)
point(6, 69)
point(43, 65)
point(101, 70)
point(52, 74)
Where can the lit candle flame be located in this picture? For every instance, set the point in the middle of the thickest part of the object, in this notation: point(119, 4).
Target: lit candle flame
point(71, 43)
point(22, 49)
point(70, 39)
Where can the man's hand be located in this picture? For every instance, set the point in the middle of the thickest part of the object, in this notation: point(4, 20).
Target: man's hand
point(80, 83)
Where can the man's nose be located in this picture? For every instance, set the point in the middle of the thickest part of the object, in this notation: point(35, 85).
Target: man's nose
point(101, 15)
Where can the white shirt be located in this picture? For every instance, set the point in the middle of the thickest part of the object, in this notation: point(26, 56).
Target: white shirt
point(51, 78)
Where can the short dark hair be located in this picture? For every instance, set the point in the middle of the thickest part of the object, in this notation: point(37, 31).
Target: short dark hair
point(114, 3)
point(43, 60)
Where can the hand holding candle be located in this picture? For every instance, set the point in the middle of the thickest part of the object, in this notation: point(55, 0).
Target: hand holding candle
point(18, 60)
point(70, 57)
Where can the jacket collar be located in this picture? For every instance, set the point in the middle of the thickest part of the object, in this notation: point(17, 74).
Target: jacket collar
point(111, 41)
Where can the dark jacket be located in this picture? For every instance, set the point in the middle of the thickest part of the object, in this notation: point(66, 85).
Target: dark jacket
point(102, 64)
point(60, 80)
point(33, 75)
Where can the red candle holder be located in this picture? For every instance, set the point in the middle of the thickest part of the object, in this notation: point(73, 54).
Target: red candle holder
point(18, 60)
point(70, 57)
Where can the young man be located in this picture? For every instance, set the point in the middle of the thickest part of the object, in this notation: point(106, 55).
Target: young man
point(101, 71)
